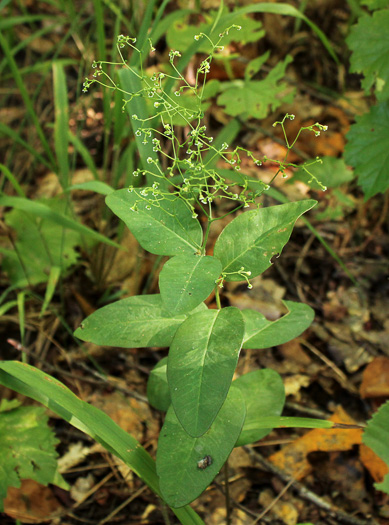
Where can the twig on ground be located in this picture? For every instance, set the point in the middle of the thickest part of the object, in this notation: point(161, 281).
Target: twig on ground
point(307, 494)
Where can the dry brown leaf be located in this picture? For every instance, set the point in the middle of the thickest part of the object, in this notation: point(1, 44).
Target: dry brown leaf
point(32, 503)
point(375, 378)
point(293, 458)
point(374, 464)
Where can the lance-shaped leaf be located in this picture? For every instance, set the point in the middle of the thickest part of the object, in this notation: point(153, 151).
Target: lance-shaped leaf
point(201, 363)
point(264, 395)
point(376, 436)
point(261, 333)
point(178, 456)
point(134, 322)
point(251, 239)
point(186, 280)
point(164, 226)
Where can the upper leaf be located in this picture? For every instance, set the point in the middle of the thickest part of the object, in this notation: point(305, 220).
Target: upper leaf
point(264, 395)
point(257, 98)
point(261, 333)
point(186, 281)
point(252, 238)
point(367, 149)
point(164, 226)
point(181, 480)
point(134, 322)
point(201, 364)
point(369, 42)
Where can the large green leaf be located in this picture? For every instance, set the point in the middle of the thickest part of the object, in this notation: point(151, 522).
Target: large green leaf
point(186, 281)
point(27, 447)
point(158, 392)
point(376, 436)
point(162, 226)
point(264, 395)
point(367, 149)
point(261, 333)
point(257, 98)
point(134, 322)
point(252, 238)
point(47, 390)
point(370, 53)
point(201, 364)
point(181, 480)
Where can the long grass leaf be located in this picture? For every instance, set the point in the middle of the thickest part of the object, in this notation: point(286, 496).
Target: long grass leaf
point(55, 272)
point(61, 124)
point(41, 210)
point(9, 132)
point(37, 385)
point(26, 98)
point(12, 180)
point(84, 153)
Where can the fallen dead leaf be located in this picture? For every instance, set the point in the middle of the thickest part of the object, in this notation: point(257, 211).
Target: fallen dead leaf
point(293, 458)
point(375, 378)
point(374, 464)
point(32, 503)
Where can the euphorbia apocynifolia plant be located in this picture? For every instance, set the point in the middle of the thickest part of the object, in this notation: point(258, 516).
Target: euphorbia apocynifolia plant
point(207, 412)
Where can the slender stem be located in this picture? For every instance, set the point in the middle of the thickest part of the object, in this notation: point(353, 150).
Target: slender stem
point(217, 295)
point(227, 494)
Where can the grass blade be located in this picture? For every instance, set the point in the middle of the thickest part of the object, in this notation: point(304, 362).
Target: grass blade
point(37, 385)
point(61, 124)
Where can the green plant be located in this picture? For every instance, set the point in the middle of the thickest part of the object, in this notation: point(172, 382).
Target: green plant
point(367, 145)
point(206, 416)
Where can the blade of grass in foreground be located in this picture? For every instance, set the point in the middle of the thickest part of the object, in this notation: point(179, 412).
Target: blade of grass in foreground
point(37, 385)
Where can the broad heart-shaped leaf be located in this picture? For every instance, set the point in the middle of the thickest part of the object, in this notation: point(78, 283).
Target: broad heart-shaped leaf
point(161, 226)
point(264, 395)
point(186, 281)
point(257, 98)
point(158, 392)
point(376, 436)
point(367, 149)
point(369, 42)
point(47, 390)
point(181, 480)
point(252, 238)
point(134, 322)
point(27, 448)
point(202, 360)
point(261, 333)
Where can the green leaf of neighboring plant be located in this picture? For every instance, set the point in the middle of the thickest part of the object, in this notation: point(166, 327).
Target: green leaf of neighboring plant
point(186, 281)
point(376, 437)
point(201, 363)
point(331, 172)
point(27, 448)
point(134, 322)
point(370, 53)
point(33, 383)
point(252, 238)
point(178, 455)
point(367, 150)
point(158, 392)
point(41, 245)
point(264, 395)
point(180, 35)
point(257, 98)
point(261, 333)
point(163, 227)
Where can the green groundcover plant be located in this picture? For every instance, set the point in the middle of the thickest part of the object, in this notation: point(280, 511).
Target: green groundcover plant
point(207, 413)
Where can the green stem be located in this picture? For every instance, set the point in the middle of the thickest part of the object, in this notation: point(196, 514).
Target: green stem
point(217, 295)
